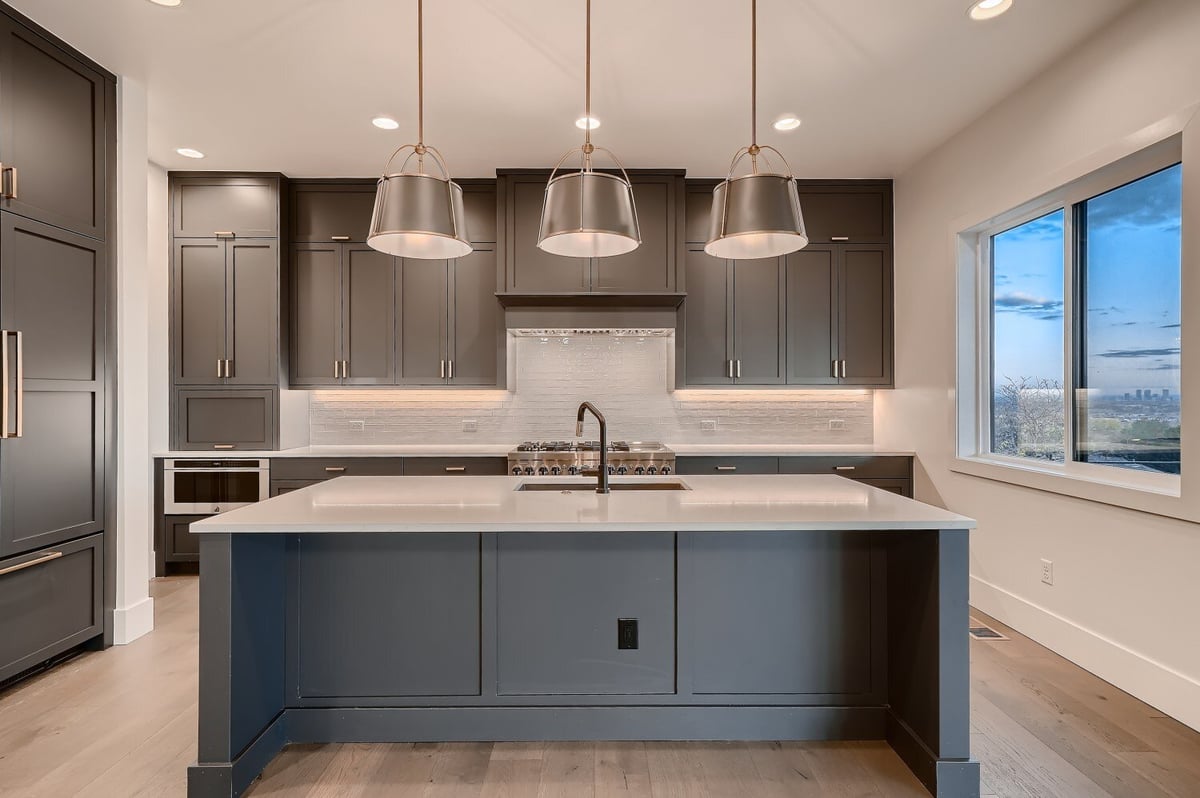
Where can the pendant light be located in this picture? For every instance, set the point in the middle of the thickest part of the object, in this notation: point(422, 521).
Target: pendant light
point(756, 215)
point(418, 214)
point(588, 214)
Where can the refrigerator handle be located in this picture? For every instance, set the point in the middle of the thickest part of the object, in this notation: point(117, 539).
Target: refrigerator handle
point(20, 384)
point(4, 384)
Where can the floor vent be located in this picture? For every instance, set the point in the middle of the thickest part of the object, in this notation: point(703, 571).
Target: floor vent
point(979, 631)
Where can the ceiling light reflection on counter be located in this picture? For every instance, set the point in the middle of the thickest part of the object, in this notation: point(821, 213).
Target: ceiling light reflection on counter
point(588, 214)
point(756, 215)
point(418, 214)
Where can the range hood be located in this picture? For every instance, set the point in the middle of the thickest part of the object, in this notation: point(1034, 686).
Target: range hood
point(605, 312)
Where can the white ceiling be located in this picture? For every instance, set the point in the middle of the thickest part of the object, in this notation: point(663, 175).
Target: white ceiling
point(291, 85)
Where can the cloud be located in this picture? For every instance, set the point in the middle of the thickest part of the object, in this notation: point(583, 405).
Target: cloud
point(1168, 326)
point(1126, 353)
point(1163, 367)
point(1153, 201)
point(1123, 324)
point(1022, 302)
point(1047, 228)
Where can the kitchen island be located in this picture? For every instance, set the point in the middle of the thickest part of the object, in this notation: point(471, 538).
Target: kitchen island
point(394, 609)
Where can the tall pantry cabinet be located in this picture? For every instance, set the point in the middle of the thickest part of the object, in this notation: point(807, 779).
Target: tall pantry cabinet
point(57, 223)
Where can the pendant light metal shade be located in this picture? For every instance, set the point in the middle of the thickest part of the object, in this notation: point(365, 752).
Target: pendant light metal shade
point(589, 215)
point(756, 216)
point(418, 216)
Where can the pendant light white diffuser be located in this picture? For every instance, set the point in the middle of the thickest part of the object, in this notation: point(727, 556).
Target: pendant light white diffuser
point(756, 215)
point(588, 214)
point(419, 214)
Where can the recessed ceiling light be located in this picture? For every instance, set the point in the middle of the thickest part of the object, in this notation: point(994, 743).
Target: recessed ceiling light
point(787, 122)
point(988, 9)
point(587, 123)
point(385, 123)
point(188, 152)
point(167, 3)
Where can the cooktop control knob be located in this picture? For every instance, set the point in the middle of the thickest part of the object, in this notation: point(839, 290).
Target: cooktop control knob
point(528, 471)
point(639, 470)
point(516, 471)
point(573, 470)
point(652, 470)
point(666, 470)
point(622, 470)
point(543, 471)
point(555, 470)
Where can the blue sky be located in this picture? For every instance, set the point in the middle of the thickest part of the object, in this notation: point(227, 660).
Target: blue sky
point(1132, 283)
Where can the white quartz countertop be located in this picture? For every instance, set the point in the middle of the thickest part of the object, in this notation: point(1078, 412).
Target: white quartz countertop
point(502, 449)
point(492, 504)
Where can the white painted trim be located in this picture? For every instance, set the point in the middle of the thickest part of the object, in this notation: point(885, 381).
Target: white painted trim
point(1156, 683)
point(130, 623)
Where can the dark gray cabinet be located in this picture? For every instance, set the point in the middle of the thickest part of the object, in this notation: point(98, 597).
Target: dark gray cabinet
point(456, 466)
point(225, 206)
point(343, 315)
point(54, 114)
point(222, 419)
point(322, 468)
point(812, 316)
point(324, 212)
point(889, 472)
point(650, 269)
point(176, 543)
point(851, 211)
point(733, 333)
point(407, 606)
point(560, 596)
point(727, 465)
point(52, 305)
point(225, 325)
point(52, 600)
point(865, 303)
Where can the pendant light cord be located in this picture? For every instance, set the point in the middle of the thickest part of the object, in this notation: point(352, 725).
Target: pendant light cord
point(754, 73)
point(420, 74)
point(587, 91)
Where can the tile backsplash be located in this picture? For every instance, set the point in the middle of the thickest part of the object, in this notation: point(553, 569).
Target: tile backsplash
point(629, 379)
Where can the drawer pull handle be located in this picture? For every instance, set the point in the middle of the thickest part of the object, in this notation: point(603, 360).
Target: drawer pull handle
point(222, 445)
point(223, 234)
point(839, 238)
point(335, 469)
point(340, 238)
point(727, 468)
point(456, 469)
point(53, 555)
point(843, 468)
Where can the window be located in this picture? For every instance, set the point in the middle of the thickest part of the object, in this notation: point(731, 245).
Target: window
point(1078, 325)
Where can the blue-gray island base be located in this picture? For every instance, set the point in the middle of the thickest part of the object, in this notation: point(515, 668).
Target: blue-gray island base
point(398, 609)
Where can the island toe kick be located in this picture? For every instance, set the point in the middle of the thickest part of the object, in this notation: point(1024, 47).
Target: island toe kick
point(502, 636)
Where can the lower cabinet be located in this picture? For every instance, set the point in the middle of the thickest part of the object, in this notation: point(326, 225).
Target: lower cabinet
point(561, 599)
point(214, 420)
point(52, 601)
point(456, 467)
point(892, 473)
point(387, 615)
point(282, 486)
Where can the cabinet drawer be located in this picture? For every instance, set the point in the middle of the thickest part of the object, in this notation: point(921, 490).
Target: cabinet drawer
point(52, 602)
point(455, 466)
point(727, 465)
point(901, 487)
point(219, 420)
point(282, 486)
point(332, 211)
point(330, 467)
point(853, 467)
point(246, 207)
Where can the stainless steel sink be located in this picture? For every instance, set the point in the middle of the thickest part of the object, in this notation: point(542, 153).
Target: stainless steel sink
point(560, 487)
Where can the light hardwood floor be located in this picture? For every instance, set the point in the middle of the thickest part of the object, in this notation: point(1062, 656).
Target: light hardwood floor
point(122, 724)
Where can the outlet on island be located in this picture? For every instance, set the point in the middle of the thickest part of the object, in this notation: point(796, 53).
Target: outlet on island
point(627, 633)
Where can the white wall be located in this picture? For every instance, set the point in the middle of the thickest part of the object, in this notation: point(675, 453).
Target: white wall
point(158, 295)
point(1125, 595)
point(628, 378)
point(134, 612)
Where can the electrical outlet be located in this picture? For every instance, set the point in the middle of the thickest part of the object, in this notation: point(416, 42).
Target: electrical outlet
point(357, 426)
point(627, 633)
point(836, 424)
point(708, 425)
point(470, 425)
point(1047, 572)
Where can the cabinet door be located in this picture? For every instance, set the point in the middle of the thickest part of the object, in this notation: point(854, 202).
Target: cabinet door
point(316, 314)
point(325, 212)
point(865, 315)
point(475, 323)
point(52, 129)
point(224, 419)
point(479, 207)
point(810, 318)
point(758, 330)
point(52, 473)
point(369, 316)
point(856, 214)
point(421, 359)
point(179, 544)
point(529, 269)
point(649, 269)
point(252, 333)
point(246, 207)
point(198, 306)
point(706, 325)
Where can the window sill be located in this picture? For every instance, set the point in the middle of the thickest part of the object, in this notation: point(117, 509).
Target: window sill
point(1165, 498)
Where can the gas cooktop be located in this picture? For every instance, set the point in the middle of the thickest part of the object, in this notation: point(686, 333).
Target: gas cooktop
point(590, 446)
point(567, 458)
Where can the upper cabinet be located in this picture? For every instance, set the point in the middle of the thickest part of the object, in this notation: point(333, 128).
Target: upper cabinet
point(225, 206)
point(649, 269)
point(822, 316)
point(54, 111)
point(324, 212)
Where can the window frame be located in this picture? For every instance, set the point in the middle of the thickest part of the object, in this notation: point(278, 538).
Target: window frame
point(976, 394)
